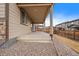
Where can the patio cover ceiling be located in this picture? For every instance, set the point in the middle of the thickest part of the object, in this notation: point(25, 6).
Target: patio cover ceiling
point(37, 12)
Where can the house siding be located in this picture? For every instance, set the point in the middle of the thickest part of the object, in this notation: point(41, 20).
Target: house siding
point(2, 23)
point(2, 10)
point(15, 28)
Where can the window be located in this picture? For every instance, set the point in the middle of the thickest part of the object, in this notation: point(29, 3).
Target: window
point(23, 17)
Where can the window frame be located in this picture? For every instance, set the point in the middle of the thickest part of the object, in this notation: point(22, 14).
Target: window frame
point(23, 19)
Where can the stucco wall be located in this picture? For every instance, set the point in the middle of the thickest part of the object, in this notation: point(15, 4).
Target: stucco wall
point(2, 21)
point(2, 10)
point(15, 28)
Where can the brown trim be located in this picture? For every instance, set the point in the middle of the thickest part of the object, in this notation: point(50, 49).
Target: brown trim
point(33, 4)
point(7, 20)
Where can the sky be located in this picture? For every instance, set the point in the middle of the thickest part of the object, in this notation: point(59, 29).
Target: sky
point(63, 12)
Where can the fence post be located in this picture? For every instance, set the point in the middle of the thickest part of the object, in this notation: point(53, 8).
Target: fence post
point(74, 34)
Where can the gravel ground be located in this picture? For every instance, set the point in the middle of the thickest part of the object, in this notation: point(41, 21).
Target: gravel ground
point(63, 49)
point(29, 49)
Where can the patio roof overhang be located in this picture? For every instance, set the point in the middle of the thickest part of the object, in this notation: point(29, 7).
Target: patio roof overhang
point(37, 12)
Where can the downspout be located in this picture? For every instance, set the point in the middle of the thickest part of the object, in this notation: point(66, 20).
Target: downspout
point(7, 20)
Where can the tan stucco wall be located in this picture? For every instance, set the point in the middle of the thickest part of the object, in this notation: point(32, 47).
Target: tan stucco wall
point(2, 10)
point(15, 28)
point(2, 20)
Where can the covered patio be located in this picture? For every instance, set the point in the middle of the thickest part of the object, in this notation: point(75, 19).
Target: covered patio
point(37, 13)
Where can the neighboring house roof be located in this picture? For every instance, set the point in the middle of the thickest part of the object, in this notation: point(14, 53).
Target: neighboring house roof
point(74, 26)
point(68, 22)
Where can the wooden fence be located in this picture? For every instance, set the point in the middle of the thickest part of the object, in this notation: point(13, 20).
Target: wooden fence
point(68, 33)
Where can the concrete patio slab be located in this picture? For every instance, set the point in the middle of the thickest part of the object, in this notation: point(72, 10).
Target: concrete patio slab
point(35, 37)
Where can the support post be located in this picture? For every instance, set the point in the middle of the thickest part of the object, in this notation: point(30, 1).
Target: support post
point(33, 27)
point(43, 26)
point(51, 23)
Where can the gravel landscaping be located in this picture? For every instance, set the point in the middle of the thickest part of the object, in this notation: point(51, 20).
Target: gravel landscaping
point(29, 49)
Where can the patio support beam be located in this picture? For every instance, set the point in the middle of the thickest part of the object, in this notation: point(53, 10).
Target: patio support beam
point(33, 27)
point(28, 5)
point(43, 26)
point(51, 22)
